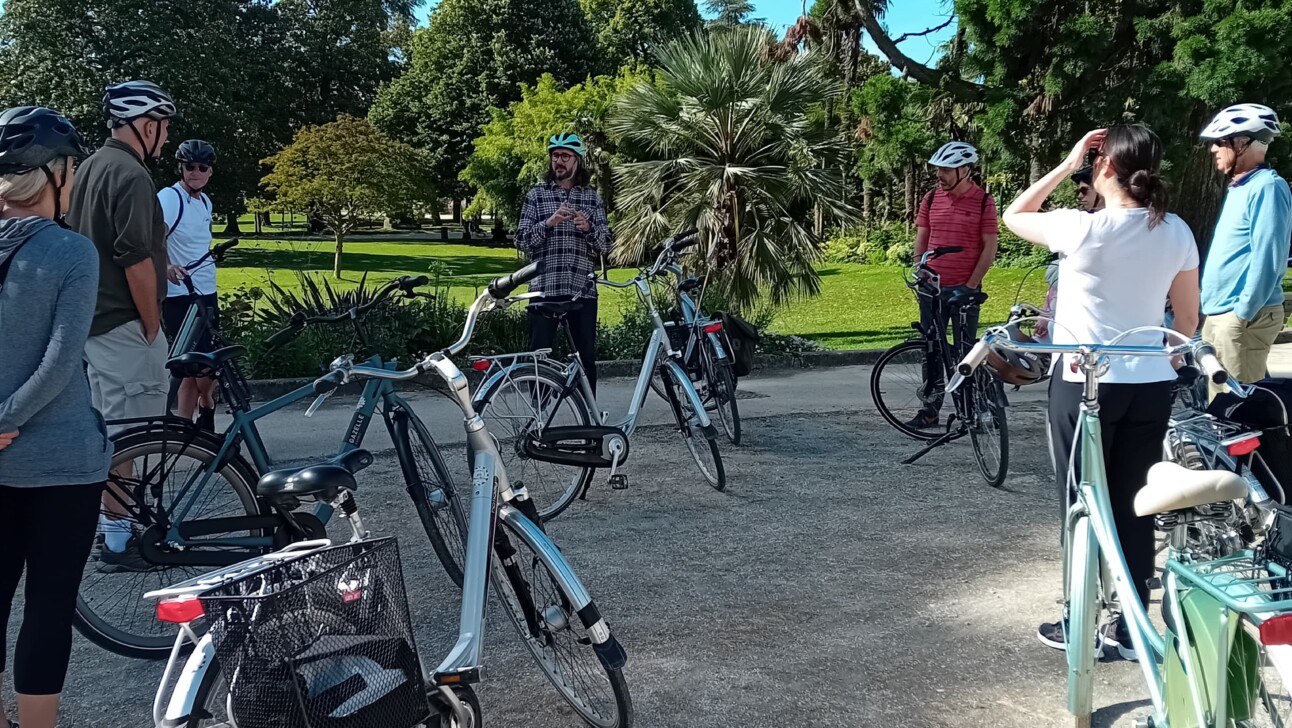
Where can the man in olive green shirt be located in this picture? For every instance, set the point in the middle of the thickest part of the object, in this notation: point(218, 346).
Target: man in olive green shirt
point(114, 204)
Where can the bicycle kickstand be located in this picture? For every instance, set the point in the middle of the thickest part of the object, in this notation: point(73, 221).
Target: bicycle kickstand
point(950, 436)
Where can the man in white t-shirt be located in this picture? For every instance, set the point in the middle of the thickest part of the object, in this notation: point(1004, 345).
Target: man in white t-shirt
point(187, 212)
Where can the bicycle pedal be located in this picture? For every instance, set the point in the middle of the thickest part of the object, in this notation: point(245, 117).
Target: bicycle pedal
point(619, 481)
point(1155, 583)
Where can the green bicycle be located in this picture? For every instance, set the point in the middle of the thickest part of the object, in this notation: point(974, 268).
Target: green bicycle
point(1225, 657)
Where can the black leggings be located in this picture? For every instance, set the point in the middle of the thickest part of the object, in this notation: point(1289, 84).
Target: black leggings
point(583, 327)
point(49, 531)
point(1134, 421)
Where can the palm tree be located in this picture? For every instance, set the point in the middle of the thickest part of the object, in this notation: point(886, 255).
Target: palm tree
point(735, 144)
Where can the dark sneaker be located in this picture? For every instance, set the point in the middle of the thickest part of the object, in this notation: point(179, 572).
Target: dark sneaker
point(205, 419)
point(923, 421)
point(1113, 634)
point(112, 562)
point(1053, 634)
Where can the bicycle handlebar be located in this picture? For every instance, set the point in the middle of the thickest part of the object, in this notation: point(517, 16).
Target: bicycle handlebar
point(502, 287)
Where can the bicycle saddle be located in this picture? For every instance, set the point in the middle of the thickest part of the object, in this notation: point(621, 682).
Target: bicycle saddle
point(202, 364)
point(966, 297)
point(556, 309)
point(323, 481)
point(1172, 487)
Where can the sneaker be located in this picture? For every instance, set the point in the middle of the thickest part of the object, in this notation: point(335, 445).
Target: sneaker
point(112, 562)
point(205, 419)
point(1113, 634)
point(923, 421)
point(1053, 634)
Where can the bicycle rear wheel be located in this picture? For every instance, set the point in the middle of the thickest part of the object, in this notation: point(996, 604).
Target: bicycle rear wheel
point(989, 429)
point(524, 403)
point(721, 394)
point(110, 611)
point(533, 596)
point(897, 388)
point(439, 505)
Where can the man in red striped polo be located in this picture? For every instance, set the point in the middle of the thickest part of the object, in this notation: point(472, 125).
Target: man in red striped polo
point(960, 214)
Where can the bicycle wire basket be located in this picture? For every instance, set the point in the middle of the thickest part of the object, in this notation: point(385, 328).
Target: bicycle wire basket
point(323, 641)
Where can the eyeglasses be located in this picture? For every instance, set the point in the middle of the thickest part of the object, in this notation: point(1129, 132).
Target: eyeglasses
point(197, 168)
point(564, 156)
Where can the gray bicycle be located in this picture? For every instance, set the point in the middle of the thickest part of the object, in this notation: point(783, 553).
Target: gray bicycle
point(556, 436)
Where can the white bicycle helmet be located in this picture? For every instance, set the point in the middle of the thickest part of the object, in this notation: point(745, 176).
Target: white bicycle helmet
point(124, 102)
point(1252, 120)
point(954, 154)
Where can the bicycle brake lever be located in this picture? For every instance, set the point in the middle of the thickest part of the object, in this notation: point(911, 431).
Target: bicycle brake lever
point(318, 402)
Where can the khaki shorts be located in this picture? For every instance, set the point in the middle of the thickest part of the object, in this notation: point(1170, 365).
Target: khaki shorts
point(1243, 348)
point(127, 374)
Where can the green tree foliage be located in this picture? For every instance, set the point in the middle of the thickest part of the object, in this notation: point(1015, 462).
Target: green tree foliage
point(511, 155)
point(628, 31)
point(730, 13)
point(731, 142)
point(474, 57)
point(344, 172)
point(244, 73)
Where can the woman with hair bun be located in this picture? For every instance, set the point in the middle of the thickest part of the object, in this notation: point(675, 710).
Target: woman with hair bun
point(1119, 264)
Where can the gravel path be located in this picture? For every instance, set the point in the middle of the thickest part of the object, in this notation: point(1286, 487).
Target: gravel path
point(829, 586)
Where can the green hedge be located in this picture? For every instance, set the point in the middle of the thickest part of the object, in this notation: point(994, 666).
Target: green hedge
point(893, 243)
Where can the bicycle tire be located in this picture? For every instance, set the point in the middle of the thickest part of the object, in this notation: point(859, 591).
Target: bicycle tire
point(467, 696)
point(897, 360)
point(129, 640)
point(212, 687)
point(990, 427)
point(722, 391)
point(519, 467)
point(1083, 614)
point(701, 442)
point(540, 627)
point(444, 521)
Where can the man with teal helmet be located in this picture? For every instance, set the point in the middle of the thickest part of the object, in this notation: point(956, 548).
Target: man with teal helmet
point(563, 227)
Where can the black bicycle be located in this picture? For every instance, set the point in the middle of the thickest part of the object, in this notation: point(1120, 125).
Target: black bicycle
point(909, 380)
point(200, 320)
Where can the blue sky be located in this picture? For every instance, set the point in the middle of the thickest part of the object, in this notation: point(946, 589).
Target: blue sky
point(904, 16)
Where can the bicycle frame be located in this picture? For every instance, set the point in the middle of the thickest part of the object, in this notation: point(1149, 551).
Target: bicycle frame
point(692, 318)
point(243, 430)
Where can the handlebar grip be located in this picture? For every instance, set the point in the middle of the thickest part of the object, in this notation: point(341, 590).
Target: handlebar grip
point(408, 283)
point(684, 243)
point(1205, 357)
point(939, 252)
point(292, 330)
point(975, 357)
point(328, 382)
point(502, 287)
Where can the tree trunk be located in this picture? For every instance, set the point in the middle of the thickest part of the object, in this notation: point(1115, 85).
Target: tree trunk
point(231, 228)
point(867, 201)
point(336, 261)
point(435, 214)
point(909, 209)
point(260, 223)
point(457, 210)
point(1198, 192)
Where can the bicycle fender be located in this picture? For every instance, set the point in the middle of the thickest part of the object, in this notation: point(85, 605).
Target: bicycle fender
point(182, 699)
point(513, 369)
point(691, 394)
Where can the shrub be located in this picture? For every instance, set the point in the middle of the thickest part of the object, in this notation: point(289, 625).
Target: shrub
point(1016, 252)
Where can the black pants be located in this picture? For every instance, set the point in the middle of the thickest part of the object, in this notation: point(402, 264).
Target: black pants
point(1134, 421)
point(963, 335)
point(583, 328)
point(48, 531)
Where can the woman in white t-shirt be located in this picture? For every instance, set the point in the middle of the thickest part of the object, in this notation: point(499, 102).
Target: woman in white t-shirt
point(1119, 264)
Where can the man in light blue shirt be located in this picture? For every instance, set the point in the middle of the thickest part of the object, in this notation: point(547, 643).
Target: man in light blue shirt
point(1242, 281)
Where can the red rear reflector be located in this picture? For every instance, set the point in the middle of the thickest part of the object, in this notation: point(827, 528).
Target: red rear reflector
point(1277, 630)
point(1243, 447)
point(713, 328)
point(179, 612)
point(480, 365)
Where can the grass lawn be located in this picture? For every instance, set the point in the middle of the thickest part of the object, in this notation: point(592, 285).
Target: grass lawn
point(860, 306)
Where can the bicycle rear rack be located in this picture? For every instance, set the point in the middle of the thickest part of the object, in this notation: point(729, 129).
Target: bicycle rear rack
point(1242, 582)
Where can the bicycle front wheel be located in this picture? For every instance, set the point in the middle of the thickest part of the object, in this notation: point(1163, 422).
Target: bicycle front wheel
point(1082, 613)
point(701, 441)
point(552, 628)
point(721, 394)
point(439, 505)
point(150, 469)
point(989, 429)
point(521, 405)
point(898, 390)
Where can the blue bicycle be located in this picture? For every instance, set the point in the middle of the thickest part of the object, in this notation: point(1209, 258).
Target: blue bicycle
point(190, 495)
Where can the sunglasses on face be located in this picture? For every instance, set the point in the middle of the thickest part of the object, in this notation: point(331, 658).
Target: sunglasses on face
point(188, 167)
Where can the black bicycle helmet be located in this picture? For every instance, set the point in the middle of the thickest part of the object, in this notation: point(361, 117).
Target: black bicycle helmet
point(196, 151)
point(32, 136)
point(127, 101)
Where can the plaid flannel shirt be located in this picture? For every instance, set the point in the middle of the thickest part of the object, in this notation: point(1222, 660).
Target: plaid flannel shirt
point(567, 255)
